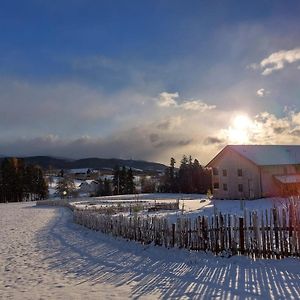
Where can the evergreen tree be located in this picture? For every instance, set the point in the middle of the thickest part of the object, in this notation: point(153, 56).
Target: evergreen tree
point(29, 182)
point(41, 185)
point(66, 187)
point(129, 185)
point(190, 178)
point(170, 182)
point(19, 182)
point(116, 180)
point(183, 175)
point(123, 181)
point(8, 180)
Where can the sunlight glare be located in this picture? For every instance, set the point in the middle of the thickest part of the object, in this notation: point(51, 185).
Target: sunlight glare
point(240, 130)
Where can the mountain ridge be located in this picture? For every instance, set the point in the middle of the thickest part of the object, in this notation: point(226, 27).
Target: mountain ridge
point(47, 162)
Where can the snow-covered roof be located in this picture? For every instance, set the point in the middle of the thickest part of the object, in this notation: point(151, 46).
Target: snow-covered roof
point(78, 171)
point(107, 177)
point(267, 155)
point(295, 178)
point(90, 181)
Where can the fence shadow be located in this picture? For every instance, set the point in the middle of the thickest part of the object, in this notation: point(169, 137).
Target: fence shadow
point(165, 273)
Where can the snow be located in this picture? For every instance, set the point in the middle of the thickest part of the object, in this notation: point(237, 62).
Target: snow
point(190, 205)
point(89, 181)
point(295, 178)
point(44, 255)
point(78, 171)
point(265, 155)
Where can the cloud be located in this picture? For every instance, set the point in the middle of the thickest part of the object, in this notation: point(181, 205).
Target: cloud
point(95, 62)
point(167, 99)
point(153, 137)
point(266, 128)
point(262, 93)
point(170, 100)
point(296, 132)
point(295, 118)
point(279, 130)
point(171, 123)
point(66, 108)
point(278, 60)
point(173, 143)
point(211, 140)
point(137, 143)
point(165, 125)
point(196, 105)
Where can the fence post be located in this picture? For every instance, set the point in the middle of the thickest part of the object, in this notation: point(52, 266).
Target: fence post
point(173, 235)
point(242, 240)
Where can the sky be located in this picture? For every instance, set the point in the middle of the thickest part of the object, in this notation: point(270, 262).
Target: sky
point(147, 80)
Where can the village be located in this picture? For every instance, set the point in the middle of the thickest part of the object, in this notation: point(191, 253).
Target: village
point(253, 208)
point(201, 228)
point(149, 150)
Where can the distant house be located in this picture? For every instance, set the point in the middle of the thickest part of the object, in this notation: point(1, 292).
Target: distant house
point(89, 187)
point(256, 171)
point(82, 173)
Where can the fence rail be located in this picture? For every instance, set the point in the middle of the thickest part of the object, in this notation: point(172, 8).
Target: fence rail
point(270, 234)
point(273, 233)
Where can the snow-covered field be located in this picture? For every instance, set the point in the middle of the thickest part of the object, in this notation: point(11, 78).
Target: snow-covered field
point(190, 205)
point(44, 255)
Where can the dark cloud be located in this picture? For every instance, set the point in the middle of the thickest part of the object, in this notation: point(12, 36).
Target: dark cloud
point(153, 137)
point(164, 125)
point(213, 140)
point(134, 143)
point(279, 130)
point(173, 143)
point(296, 132)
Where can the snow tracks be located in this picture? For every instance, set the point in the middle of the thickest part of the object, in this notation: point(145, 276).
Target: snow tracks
point(44, 255)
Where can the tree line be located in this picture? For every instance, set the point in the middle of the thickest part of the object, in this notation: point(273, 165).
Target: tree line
point(19, 182)
point(123, 181)
point(191, 177)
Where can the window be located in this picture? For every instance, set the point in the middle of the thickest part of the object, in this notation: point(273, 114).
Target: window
point(225, 188)
point(224, 173)
point(240, 172)
point(240, 188)
point(215, 171)
point(216, 185)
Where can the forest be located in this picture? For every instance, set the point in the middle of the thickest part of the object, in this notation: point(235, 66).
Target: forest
point(21, 182)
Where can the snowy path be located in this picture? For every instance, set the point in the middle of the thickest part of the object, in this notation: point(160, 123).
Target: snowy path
point(43, 255)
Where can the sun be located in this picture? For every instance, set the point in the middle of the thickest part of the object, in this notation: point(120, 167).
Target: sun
point(239, 132)
point(242, 122)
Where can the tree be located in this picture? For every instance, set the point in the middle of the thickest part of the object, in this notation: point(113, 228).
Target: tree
point(41, 185)
point(183, 175)
point(129, 183)
point(170, 179)
point(66, 187)
point(8, 180)
point(123, 181)
point(107, 188)
point(116, 180)
point(148, 185)
point(19, 182)
point(190, 178)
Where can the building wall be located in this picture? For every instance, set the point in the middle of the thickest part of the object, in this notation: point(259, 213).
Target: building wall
point(250, 179)
point(269, 186)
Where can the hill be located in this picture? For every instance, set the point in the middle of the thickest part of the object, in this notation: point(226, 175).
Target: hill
point(47, 162)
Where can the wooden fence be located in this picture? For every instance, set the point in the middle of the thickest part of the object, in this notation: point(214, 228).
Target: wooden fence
point(273, 233)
